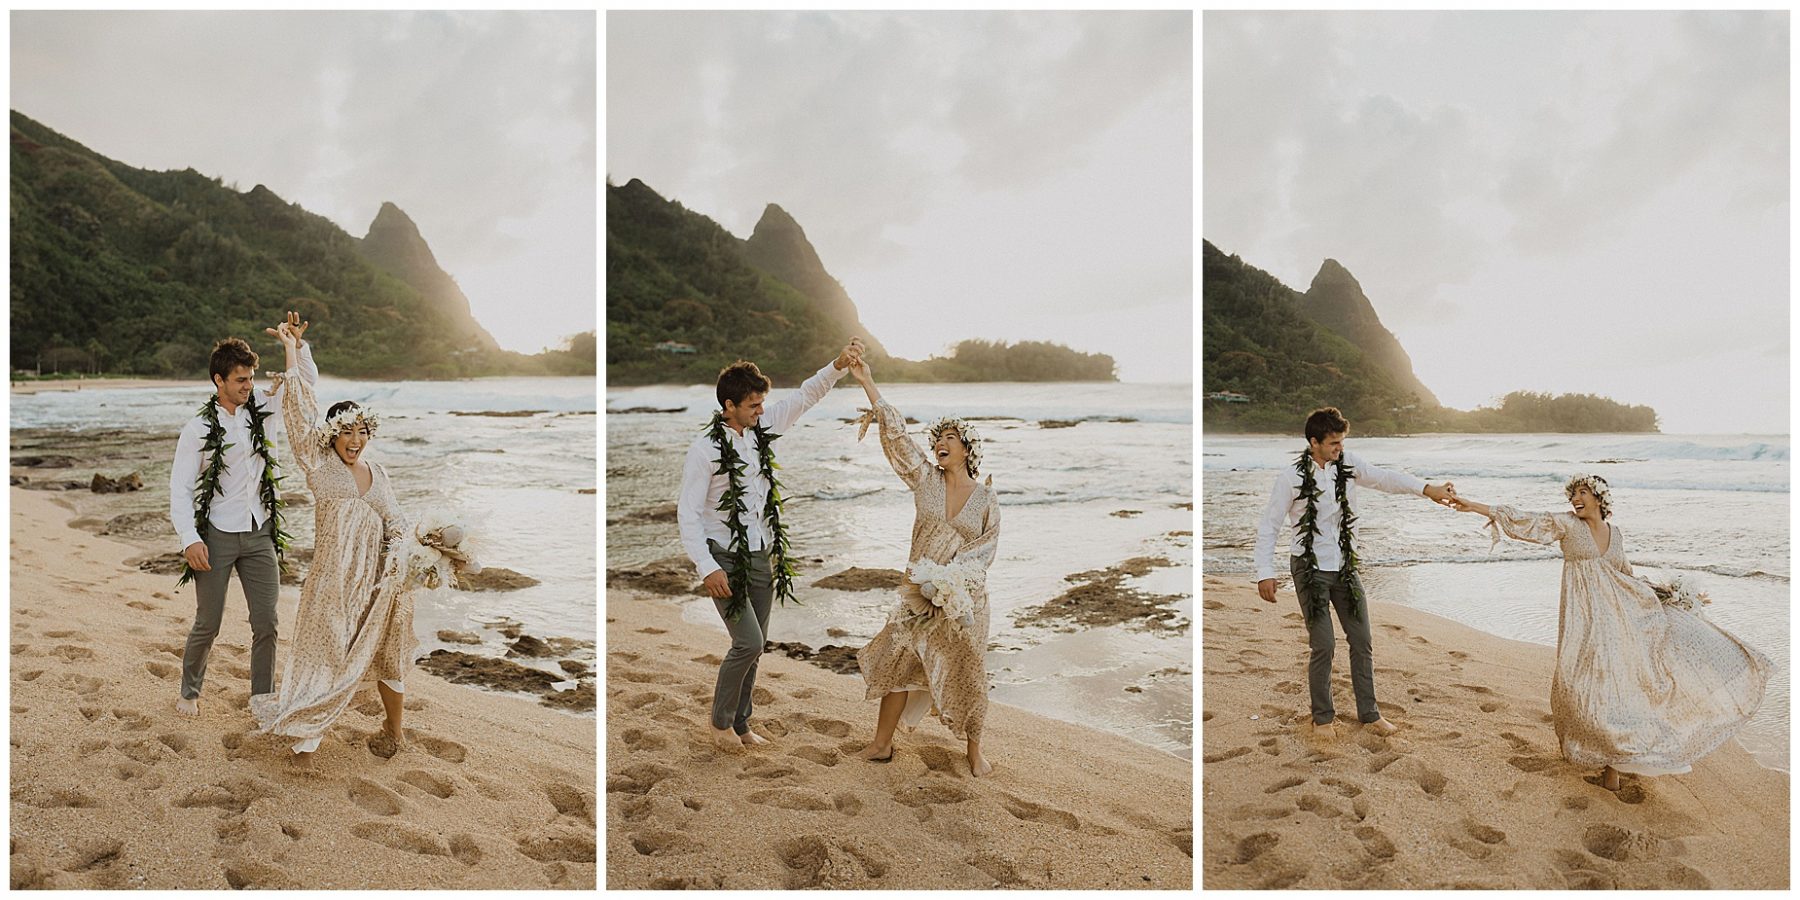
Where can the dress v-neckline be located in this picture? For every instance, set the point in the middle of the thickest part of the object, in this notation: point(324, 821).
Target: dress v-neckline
point(1596, 541)
point(948, 517)
point(361, 492)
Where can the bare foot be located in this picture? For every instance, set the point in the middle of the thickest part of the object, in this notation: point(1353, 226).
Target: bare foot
point(187, 707)
point(1382, 727)
point(394, 731)
point(877, 752)
point(726, 739)
point(751, 739)
point(1322, 733)
point(1609, 778)
point(978, 764)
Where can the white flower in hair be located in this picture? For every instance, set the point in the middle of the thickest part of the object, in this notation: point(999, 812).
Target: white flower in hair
point(347, 419)
point(963, 430)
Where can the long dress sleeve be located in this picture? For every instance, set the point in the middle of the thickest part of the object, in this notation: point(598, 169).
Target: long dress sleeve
point(394, 522)
point(909, 460)
point(299, 412)
point(1537, 528)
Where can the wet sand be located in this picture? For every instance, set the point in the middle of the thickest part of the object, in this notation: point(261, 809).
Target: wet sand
point(1471, 793)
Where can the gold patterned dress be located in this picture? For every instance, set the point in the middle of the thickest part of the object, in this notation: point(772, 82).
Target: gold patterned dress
point(1639, 686)
point(942, 659)
point(353, 626)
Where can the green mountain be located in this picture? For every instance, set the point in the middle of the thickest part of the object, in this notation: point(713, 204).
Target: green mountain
point(1271, 355)
point(685, 298)
point(123, 270)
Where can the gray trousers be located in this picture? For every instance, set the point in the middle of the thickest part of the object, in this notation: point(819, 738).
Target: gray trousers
point(252, 554)
point(1323, 641)
point(737, 674)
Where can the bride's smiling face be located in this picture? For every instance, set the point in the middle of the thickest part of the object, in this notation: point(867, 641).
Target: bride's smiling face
point(948, 451)
point(1585, 504)
point(351, 444)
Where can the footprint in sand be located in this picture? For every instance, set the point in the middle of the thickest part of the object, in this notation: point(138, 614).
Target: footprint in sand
point(162, 670)
point(710, 659)
point(1375, 842)
point(1027, 811)
point(1269, 746)
point(571, 801)
point(1316, 805)
point(464, 849)
point(1255, 811)
point(1283, 785)
point(231, 794)
point(931, 792)
point(815, 861)
point(54, 798)
point(138, 775)
point(641, 741)
point(1344, 788)
point(131, 719)
point(1233, 753)
point(71, 652)
point(95, 854)
point(1249, 848)
point(66, 634)
point(559, 846)
point(830, 727)
point(818, 755)
point(1288, 687)
point(637, 677)
point(82, 684)
point(1492, 706)
point(653, 631)
point(374, 798)
point(1518, 743)
point(792, 798)
point(139, 604)
point(435, 785)
point(1381, 762)
point(175, 741)
point(448, 751)
point(1430, 780)
point(638, 779)
point(1531, 763)
point(400, 836)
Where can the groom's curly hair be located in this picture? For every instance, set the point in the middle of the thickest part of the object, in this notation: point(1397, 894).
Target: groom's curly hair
point(1325, 422)
point(740, 380)
point(229, 354)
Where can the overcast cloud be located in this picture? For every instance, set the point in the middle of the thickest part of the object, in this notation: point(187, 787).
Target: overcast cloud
point(998, 175)
point(1565, 202)
point(481, 126)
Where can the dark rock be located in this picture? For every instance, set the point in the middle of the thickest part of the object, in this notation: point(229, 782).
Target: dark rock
point(574, 667)
point(527, 645)
point(458, 637)
point(661, 513)
point(139, 525)
point(501, 413)
point(457, 667)
point(671, 575)
point(495, 578)
point(645, 410)
point(856, 579)
point(581, 699)
point(1058, 423)
point(585, 491)
point(1100, 598)
point(841, 660)
point(296, 498)
point(122, 485)
point(162, 564)
point(19, 479)
point(1128, 513)
point(45, 462)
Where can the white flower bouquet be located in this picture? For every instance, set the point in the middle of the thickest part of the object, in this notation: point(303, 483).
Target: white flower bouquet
point(1678, 593)
point(942, 591)
point(440, 549)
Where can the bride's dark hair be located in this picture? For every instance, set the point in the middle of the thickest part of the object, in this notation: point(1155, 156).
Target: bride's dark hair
point(340, 406)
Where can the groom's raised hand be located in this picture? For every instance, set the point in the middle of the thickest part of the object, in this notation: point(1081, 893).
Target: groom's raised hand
point(851, 354)
point(1444, 494)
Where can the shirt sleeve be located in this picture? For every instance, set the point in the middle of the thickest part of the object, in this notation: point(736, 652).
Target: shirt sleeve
point(1275, 515)
point(182, 475)
point(787, 410)
point(690, 506)
point(1388, 481)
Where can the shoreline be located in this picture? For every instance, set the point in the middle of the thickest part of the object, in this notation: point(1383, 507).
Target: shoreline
point(1471, 793)
point(112, 789)
point(1067, 806)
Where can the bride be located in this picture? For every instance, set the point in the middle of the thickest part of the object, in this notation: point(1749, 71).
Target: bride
point(1641, 686)
point(931, 651)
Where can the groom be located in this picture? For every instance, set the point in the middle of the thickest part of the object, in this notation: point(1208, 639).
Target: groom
point(1318, 494)
point(225, 510)
point(729, 512)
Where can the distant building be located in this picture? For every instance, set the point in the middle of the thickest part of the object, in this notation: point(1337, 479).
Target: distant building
point(674, 347)
point(1228, 397)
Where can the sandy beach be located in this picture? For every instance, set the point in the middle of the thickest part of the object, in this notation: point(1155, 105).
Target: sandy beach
point(111, 789)
point(1471, 793)
point(1066, 806)
point(76, 384)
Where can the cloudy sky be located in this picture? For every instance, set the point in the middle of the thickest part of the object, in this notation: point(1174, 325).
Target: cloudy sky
point(1566, 202)
point(1015, 176)
point(481, 126)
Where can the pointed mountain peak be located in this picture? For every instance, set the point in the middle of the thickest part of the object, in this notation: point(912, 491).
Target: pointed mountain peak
point(1332, 272)
point(778, 235)
point(777, 218)
point(392, 218)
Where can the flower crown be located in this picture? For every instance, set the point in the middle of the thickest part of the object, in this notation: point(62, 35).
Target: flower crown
point(965, 432)
point(347, 419)
point(1597, 486)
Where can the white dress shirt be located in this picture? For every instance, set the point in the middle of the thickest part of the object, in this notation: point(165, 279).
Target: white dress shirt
point(238, 505)
point(697, 510)
point(1286, 506)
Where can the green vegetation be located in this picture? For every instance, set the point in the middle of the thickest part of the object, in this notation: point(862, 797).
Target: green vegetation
point(1258, 344)
point(127, 271)
point(676, 276)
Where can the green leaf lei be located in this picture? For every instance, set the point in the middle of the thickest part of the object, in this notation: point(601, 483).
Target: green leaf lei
point(208, 483)
point(731, 503)
point(1317, 602)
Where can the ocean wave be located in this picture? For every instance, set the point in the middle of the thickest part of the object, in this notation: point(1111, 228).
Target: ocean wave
point(844, 493)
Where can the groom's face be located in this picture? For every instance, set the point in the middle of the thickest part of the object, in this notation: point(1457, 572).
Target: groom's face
point(235, 388)
point(1329, 449)
point(744, 415)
